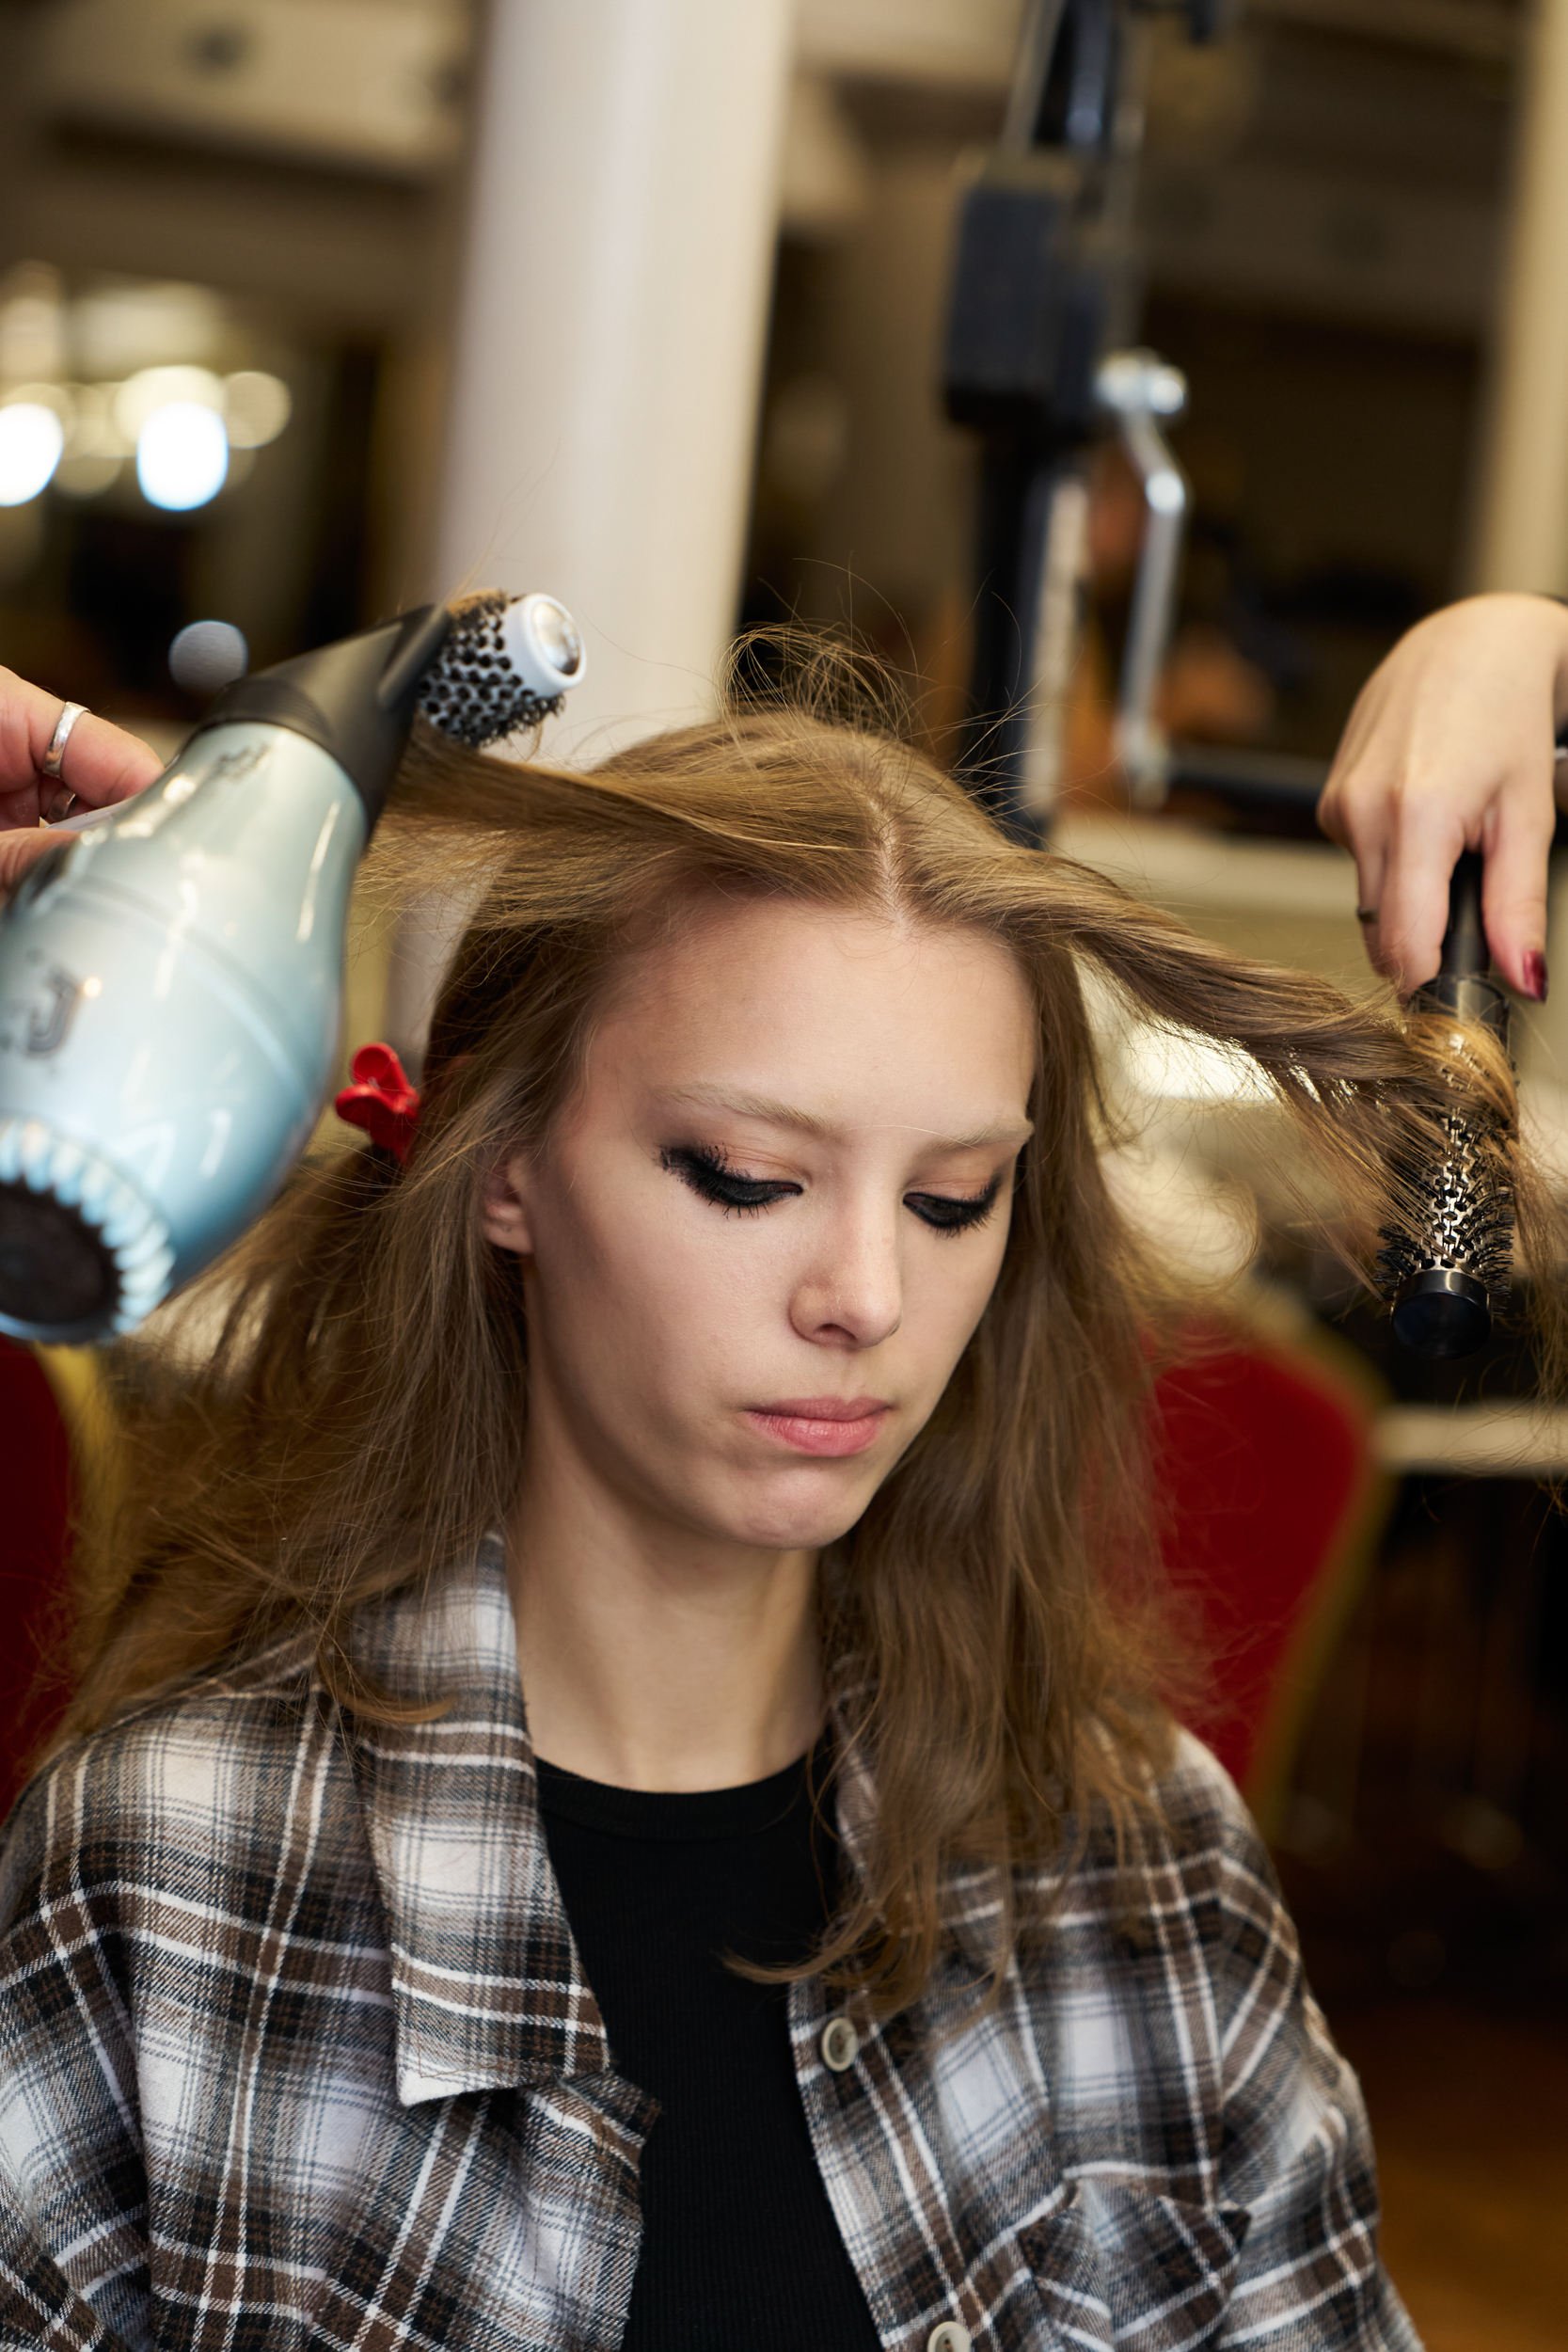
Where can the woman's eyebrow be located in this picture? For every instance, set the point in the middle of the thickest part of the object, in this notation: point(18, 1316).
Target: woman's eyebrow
point(775, 1114)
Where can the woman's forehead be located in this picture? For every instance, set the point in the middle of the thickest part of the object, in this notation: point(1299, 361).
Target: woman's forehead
point(720, 933)
point(819, 1012)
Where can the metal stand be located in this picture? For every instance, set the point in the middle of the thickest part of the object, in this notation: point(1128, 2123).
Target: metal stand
point(1043, 288)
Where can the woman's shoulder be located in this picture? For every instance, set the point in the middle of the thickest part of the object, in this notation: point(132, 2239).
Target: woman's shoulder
point(211, 1770)
point(1147, 1908)
point(1188, 1843)
point(1198, 1804)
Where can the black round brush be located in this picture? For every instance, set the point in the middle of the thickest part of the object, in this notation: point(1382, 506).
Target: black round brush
point(1445, 1266)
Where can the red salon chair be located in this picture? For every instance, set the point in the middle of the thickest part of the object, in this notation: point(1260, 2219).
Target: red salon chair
point(1273, 1504)
point(45, 1406)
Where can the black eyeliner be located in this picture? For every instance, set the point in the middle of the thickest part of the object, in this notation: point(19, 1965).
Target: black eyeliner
point(705, 1170)
point(965, 1213)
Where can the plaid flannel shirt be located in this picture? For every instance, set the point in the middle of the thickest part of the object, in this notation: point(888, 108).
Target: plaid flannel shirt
point(297, 2051)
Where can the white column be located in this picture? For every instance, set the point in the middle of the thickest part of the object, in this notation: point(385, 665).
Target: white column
point(610, 343)
point(1522, 533)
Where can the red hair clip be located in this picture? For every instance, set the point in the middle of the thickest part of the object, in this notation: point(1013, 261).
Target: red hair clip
point(381, 1100)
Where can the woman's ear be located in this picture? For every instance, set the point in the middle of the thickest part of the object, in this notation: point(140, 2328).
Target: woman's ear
point(504, 1216)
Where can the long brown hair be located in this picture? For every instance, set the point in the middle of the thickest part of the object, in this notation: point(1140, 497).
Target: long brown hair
point(357, 1424)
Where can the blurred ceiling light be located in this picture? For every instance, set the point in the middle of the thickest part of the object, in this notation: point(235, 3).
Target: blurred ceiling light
point(1170, 1066)
point(32, 322)
point(152, 389)
point(87, 474)
point(182, 456)
point(256, 407)
point(117, 330)
point(94, 446)
point(93, 420)
point(31, 441)
point(54, 396)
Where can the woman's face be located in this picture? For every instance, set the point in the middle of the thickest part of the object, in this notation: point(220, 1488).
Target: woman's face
point(757, 1240)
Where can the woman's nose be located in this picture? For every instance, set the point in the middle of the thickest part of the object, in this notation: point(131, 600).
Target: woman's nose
point(852, 1292)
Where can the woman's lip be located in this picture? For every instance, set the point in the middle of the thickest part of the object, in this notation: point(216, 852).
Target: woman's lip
point(833, 1425)
point(824, 1407)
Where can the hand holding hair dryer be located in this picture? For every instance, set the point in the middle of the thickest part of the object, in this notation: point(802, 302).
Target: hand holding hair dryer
point(172, 972)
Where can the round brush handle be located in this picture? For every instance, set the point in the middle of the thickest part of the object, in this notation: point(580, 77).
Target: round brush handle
point(1466, 953)
point(1462, 983)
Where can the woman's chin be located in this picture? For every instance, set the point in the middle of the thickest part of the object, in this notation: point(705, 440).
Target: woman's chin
point(800, 1522)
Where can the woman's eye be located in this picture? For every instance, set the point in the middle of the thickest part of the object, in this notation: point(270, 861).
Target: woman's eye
point(948, 1215)
point(709, 1175)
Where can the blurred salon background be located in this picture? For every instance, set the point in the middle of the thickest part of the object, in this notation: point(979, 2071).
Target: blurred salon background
point(313, 308)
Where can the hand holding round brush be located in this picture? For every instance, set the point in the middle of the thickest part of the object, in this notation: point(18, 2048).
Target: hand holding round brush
point(1450, 768)
point(1450, 746)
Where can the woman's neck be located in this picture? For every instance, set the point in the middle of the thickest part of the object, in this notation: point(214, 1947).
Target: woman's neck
point(650, 1658)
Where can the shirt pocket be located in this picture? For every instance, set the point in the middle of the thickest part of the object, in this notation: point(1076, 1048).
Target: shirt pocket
point(1120, 2268)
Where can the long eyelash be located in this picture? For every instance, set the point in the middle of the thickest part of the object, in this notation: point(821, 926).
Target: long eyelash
point(954, 1216)
point(703, 1167)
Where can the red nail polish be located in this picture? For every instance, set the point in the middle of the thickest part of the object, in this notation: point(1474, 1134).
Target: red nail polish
point(1535, 975)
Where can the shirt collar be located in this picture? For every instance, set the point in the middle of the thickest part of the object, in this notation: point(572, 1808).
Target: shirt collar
point(488, 1989)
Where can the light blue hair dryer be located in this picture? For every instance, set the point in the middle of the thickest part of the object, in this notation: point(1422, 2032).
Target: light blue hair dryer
point(171, 971)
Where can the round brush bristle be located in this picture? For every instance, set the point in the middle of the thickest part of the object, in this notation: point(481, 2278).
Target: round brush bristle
point(1444, 1265)
point(473, 691)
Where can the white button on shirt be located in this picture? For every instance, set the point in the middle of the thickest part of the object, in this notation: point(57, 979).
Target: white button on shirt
point(840, 2045)
point(949, 2337)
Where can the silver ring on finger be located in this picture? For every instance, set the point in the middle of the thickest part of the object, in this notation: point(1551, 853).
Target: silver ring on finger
point(54, 757)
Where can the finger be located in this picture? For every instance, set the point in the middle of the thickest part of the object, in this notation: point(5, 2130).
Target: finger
point(20, 807)
point(1413, 908)
point(101, 764)
point(19, 849)
point(1371, 885)
point(1359, 783)
point(1514, 892)
point(1345, 819)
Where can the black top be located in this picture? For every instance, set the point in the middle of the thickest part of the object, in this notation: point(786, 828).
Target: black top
point(739, 2245)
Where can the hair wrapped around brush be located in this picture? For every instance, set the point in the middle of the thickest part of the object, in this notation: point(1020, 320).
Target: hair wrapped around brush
point(993, 1620)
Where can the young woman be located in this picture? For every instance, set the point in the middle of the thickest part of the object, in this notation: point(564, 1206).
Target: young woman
point(620, 1794)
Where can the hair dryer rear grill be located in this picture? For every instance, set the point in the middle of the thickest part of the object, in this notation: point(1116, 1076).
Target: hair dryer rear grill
point(78, 1245)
